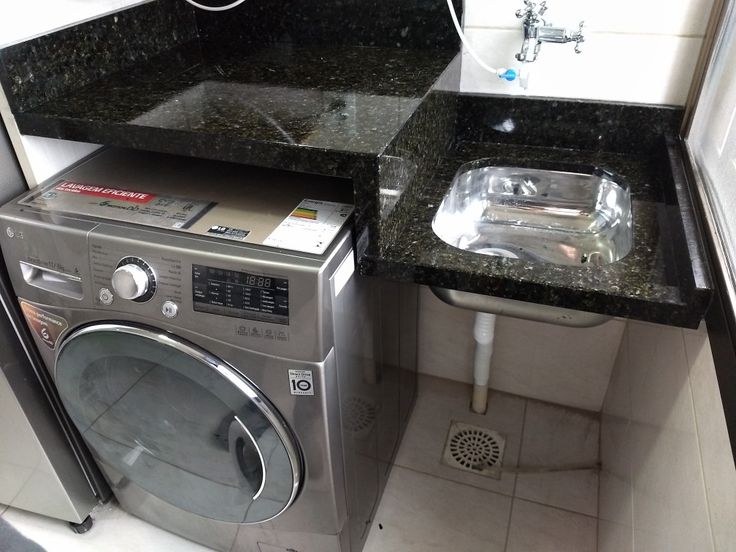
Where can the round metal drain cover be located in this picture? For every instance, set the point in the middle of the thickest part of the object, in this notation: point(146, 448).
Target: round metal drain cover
point(474, 449)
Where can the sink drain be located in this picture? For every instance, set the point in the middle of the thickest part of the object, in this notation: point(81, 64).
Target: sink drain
point(474, 449)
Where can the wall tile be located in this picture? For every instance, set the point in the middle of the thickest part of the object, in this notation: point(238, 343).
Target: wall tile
point(670, 510)
point(668, 475)
point(613, 67)
point(715, 452)
point(539, 360)
point(615, 505)
point(36, 17)
point(548, 370)
point(445, 339)
point(676, 17)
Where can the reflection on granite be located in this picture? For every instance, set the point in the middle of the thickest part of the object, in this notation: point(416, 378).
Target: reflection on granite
point(558, 123)
point(354, 100)
point(322, 119)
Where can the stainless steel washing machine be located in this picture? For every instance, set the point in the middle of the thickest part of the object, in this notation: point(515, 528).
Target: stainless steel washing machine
point(247, 397)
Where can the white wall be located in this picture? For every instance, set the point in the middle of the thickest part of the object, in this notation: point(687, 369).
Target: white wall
point(40, 158)
point(635, 50)
point(30, 18)
point(668, 482)
point(567, 366)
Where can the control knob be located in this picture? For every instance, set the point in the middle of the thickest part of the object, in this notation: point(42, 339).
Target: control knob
point(134, 280)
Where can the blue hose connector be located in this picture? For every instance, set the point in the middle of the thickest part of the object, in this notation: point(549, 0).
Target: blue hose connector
point(509, 75)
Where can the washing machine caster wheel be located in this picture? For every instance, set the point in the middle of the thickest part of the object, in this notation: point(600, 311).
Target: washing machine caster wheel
point(81, 528)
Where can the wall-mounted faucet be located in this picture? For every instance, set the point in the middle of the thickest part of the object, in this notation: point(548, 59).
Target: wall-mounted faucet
point(536, 31)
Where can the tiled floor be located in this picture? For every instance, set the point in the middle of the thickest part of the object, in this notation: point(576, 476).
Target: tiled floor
point(545, 501)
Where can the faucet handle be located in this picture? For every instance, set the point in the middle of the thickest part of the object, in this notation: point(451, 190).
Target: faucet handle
point(578, 37)
point(542, 8)
point(526, 11)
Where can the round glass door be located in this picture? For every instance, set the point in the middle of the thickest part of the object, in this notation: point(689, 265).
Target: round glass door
point(178, 422)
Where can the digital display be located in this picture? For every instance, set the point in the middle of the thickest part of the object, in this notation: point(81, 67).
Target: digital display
point(240, 294)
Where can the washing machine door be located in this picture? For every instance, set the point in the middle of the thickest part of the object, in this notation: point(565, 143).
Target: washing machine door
point(178, 422)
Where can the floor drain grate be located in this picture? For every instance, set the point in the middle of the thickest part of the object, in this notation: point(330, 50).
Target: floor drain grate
point(474, 449)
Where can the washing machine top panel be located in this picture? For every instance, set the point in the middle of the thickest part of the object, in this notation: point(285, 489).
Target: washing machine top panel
point(218, 200)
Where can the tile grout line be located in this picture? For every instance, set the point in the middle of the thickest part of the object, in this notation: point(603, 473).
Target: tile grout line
point(573, 512)
point(448, 480)
point(701, 459)
point(591, 31)
point(516, 475)
point(497, 493)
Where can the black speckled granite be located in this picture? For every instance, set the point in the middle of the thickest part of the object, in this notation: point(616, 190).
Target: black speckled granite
point(301, 98)
point(328, 109)
point(345, 99)
point(418, 24)
point(558, 123)
point(39, 70)
point(648, 284)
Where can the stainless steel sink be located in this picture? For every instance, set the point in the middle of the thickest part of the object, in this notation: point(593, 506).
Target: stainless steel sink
point(537, 214)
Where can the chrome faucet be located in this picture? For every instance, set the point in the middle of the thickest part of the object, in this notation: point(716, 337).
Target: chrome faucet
point(536, 31)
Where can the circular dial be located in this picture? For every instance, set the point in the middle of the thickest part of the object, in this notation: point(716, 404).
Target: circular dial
point(134, 280)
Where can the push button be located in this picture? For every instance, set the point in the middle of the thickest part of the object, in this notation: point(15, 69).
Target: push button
point(106, 296)
point(169, 309)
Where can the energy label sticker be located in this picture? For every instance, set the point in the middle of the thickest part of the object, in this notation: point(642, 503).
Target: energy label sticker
point(300, 382)
point(155, 210)
point(310, 227)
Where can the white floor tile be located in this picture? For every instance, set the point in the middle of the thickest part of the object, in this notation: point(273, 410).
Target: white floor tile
point(558, 437)
point(438, 403)
point(420, 513)
point(114, 531)
point(614, 537)
point(537, 528)
point(575, 490)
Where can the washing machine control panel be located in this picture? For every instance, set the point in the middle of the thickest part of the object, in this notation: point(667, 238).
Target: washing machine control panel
point(240, 294)
point(134, 280)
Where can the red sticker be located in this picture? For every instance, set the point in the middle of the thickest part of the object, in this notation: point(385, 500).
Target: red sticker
point(99, 191)
point(46, 325)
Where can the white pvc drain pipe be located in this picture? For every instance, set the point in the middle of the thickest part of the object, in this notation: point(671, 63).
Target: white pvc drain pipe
point(483, 332)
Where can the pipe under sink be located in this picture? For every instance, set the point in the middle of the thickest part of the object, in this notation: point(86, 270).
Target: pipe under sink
point(519, 309)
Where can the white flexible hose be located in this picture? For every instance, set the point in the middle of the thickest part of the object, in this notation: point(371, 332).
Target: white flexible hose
point(465, 41)
point(484, 331)
point(218, 8)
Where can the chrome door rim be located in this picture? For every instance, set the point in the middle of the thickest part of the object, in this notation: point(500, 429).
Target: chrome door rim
point(230, 373)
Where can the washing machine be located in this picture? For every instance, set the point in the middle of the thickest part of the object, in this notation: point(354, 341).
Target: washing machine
point(236, 380)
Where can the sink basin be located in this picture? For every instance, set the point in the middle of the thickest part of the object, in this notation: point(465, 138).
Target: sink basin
point(546, 214)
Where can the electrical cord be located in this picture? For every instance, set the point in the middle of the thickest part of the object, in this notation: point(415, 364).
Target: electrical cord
point(215, 8)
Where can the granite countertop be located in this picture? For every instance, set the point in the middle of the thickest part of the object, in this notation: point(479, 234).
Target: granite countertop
point(346, 99)
point(385, 115)
point(646, 284)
